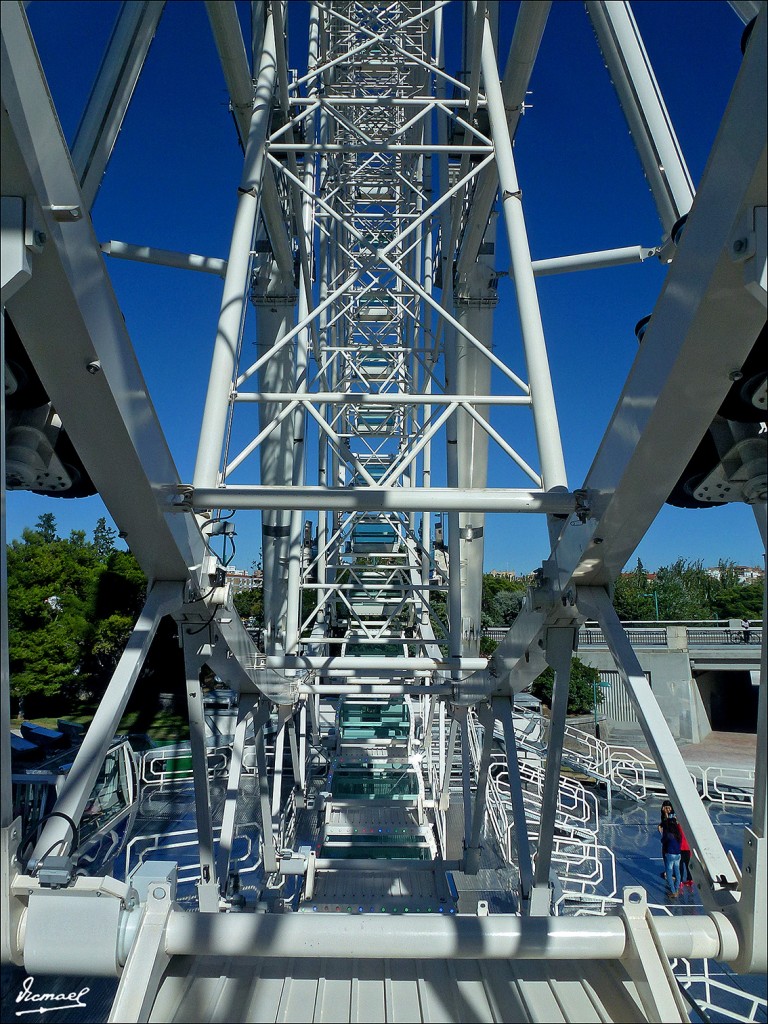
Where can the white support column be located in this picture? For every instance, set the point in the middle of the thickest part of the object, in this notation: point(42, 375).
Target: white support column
point(268, 832)
point(760, 804)
point(529, 28)
point(9, 835)
point(13, 234)
point(283, 719)
point(475, 301)
point(299, 751)
point(503, 708)
point(462, 715)
point(275, 300)
point(473, 850)
point(544, 411)
point(647, 964)
point(751, 913)
point(207, 888)
point(445, 781)
point(559, 650)
point(236, 282)
point(55, 836)
point(147, 959)
point(245, 717)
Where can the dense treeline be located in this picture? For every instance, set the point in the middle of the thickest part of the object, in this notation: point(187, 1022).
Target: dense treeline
point(678, 592)
point(72, 604)
point(685, 591)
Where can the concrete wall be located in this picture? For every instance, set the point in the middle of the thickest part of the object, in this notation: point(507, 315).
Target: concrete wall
point(672, 684)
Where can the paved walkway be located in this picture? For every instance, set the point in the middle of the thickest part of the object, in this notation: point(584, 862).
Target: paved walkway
point(720, 750)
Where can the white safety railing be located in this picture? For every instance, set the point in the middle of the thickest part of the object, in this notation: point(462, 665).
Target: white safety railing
point(583, 866)
point(724, 785)
point(710, 993)
point(626, 768)
point(174, 764)
point(577, 806)
point(184, 844)
point(585, 869)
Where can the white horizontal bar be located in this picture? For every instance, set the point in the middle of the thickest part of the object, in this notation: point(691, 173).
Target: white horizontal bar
point(377, 689)
point(165, 257)
point(371, 663)
point(379, 499)
point(592, 260)
point(426, 936)
point(373, 147)
point(379, 398)
point(382, 101)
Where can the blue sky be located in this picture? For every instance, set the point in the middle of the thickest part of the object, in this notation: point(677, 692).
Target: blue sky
point(172, 184)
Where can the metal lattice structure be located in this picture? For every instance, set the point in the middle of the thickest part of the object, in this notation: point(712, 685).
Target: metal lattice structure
point(363, 267)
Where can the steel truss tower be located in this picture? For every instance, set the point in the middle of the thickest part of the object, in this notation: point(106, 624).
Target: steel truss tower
point(352, 393)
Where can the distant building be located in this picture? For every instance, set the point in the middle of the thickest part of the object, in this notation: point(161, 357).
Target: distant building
point(745, 573)
point(241, 579)
point(500, 574)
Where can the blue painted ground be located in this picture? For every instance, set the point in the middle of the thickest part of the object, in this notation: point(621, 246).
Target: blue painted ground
point(631, 832)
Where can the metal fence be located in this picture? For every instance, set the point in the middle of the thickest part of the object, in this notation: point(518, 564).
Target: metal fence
point(656, 635)
point(723, 637)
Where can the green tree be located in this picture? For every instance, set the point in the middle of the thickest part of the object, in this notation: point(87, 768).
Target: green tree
point(46, 527)
point(121, 586)
point(633, 597)
point(109, 639)
point(505, 606)
point(69, 613)
point(685, 591)
point(740, 601)
point(250, 604)
point(584, 687)
point(104, 538)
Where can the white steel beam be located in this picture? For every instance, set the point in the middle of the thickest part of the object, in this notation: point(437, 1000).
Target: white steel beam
point(677, 779)
point(544, 411)
point(165, 257)
point(529, 28)
point(593, 260)
point(56, 835)
point(433, 936)
point(236, 281)
point(207, 888)
point(559, 651)
point(503, 708)
point(331, 665)
point(90, 329)
point(703, 327)
point(374, 499)
point(111, 94)
point(644, 108)
point(237, 74)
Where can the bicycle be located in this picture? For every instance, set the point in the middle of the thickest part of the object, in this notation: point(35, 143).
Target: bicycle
point(737, 636)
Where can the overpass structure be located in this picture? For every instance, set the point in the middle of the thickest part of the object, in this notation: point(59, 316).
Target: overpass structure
point(689, 667)
point(363, 266)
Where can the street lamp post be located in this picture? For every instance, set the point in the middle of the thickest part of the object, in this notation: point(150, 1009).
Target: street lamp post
point(655, 597)
point(594, 705)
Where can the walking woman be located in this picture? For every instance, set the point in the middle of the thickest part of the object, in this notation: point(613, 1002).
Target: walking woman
point(671, 836)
